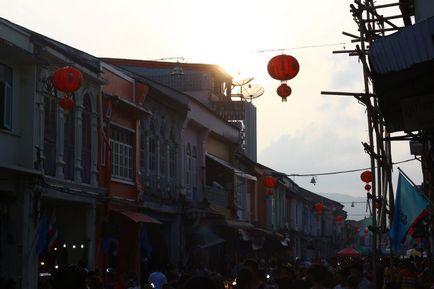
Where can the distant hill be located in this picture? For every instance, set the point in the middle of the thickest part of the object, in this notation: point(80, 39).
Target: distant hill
point(358, 212)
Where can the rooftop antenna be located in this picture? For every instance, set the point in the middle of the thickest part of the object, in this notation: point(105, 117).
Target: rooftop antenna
point(177, 70)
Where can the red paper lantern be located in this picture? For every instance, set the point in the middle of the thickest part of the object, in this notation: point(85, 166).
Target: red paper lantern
point(368, 187)
point(319, 208)
point(67, 79)
point(284, 91)
point(269, 182)
point(366, 176)
point(283, 67)
point(339, 218)
point(66, 103)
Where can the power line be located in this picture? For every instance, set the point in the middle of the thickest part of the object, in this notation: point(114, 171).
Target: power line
point(343, 172)
point(303, 47)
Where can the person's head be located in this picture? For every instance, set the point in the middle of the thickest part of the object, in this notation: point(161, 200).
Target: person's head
point(319, 276)
point(252, 264)
point(341, 275)
point(94, 282)
point(356, 270)
point(245, 278)
point(70, 277)
point(352, 282)
point(299, 284)
point(200, 282)
point(157, 280)
point(217, 279)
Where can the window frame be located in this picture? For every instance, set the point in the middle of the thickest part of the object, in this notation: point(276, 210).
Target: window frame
point(122, 148)
point(6, 96)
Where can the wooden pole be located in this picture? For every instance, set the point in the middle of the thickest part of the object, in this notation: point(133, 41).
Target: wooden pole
point(362, 30)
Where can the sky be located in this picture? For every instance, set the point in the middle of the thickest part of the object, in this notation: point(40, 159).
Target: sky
point(311, 133)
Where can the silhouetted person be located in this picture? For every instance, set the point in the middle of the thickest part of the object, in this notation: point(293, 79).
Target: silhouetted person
point(254, 266)
point(70, 277)
point(200, 282)
point(320, 277)
point(245, 279)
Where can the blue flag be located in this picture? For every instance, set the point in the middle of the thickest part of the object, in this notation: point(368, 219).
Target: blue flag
point(410, 207)
point(41, 245)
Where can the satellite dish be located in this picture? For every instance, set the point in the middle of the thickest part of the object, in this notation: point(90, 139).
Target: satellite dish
point(251, 91)
point(242, 82)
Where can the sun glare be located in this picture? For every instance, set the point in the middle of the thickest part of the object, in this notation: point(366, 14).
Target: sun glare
point(239, 64)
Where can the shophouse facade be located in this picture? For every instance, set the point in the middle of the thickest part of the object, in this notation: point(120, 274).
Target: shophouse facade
point(214, 190)
point(139, 174)
point(50, 164)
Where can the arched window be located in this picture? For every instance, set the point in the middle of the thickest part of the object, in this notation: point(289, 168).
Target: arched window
point(50, 121)
point(69, 144)
point(86, 143)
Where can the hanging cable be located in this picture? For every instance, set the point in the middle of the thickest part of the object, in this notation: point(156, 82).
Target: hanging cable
point(343, 172)
point(303, 47)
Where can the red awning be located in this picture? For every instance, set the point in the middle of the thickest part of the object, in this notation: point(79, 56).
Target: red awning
point(348, 252)
point(140, 218)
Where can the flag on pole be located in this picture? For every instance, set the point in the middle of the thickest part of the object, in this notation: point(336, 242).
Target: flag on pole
point(41, 245)
point(52, 233)
point(410, 207)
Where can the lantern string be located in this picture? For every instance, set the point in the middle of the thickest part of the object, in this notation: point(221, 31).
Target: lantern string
point(343, 172)
point(303, 47)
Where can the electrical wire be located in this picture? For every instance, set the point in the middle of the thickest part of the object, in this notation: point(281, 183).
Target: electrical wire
point(343, 172)
point(303, 47)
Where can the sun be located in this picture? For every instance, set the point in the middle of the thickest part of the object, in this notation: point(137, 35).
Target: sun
point(239, 63)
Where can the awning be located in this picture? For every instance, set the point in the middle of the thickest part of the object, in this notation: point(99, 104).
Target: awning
point(403, 49)
point(140, 218)
point(245, 175)
point(205, 237)
point(212, 239)
point(229, 166)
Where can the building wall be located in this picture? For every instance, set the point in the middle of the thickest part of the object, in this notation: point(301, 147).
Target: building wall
point(218, 148)
point(250, 130)
point(19, 141)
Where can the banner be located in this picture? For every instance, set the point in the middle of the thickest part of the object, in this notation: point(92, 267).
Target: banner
point(410, 207)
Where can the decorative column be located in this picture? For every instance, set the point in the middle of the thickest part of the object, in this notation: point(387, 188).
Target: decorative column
point(201, 158)
point(78, 140)
point(60, 138)
point(94, 144)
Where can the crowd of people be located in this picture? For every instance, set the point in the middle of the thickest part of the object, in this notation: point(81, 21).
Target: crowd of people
point(414, 273)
